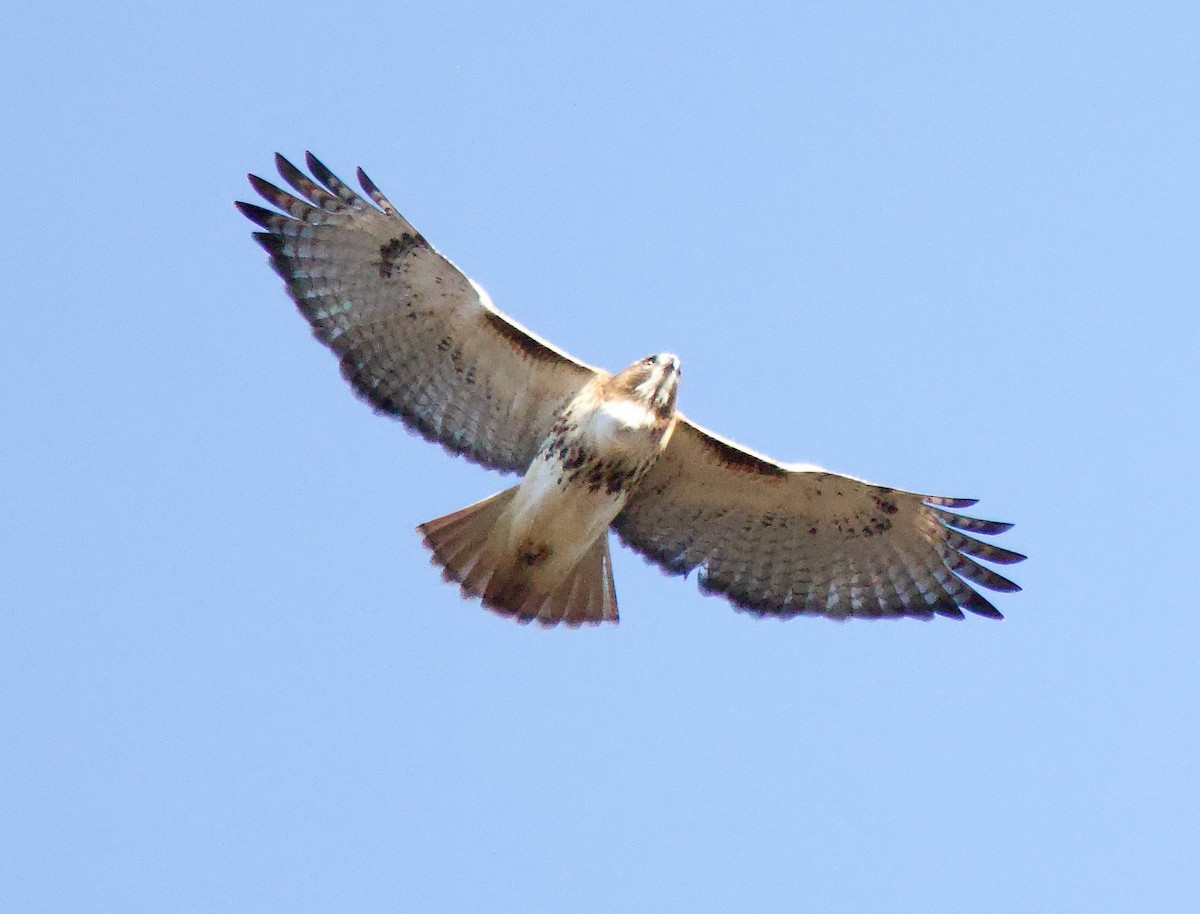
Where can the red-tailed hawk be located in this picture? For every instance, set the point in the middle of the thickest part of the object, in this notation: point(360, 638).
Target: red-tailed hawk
point(420, 341)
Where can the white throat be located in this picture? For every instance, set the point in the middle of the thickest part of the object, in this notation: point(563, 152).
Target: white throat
point(622, 415)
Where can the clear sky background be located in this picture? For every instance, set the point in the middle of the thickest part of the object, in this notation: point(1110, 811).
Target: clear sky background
point(946, 247)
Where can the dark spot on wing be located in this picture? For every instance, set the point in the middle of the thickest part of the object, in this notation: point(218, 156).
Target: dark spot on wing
point(887, 507)
point(521, 341)
point(392, 251)
point(737, 459)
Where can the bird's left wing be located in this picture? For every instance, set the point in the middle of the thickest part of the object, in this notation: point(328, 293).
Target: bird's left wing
point(417, 339)
point(783, 540)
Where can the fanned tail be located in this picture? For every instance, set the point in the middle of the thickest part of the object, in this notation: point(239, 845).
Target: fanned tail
point(463, 546)
point(459, 540)
point(587, 595)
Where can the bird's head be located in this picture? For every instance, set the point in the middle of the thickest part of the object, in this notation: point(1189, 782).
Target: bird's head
point(652, 382)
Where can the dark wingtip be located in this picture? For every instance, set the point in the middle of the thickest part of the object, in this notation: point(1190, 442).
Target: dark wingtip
point(945, 502)
point(970, 546)
point(266, 189)
point(973, 524)
point(980, 606)
point(981, 575)
point(333, 183)
point(1000, 584)
point(949, 612)
point(317, 167)
point(375, 193)
point(992, 527)
point(288, 171)
point(257, 214)
point(270, 242)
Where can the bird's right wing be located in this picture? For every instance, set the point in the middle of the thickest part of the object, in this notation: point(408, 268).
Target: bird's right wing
point(782, 540)
point(417, 339)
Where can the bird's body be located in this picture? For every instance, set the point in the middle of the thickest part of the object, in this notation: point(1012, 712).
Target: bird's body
point(594, 457)
point(420, 341)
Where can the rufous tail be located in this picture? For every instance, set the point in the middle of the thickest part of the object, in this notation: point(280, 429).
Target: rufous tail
point(505, 581)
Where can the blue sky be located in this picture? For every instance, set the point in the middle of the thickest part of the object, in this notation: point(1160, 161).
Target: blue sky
point(945, 247)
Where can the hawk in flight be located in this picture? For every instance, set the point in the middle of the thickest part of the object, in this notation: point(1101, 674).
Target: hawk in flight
point(420, 341)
